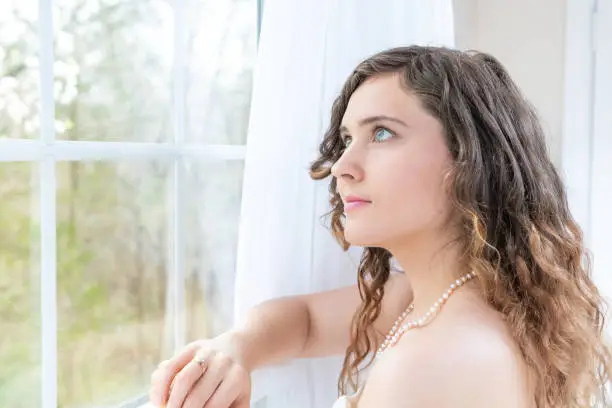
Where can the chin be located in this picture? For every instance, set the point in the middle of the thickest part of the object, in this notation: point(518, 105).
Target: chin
point(362, 237)
point(377, 235)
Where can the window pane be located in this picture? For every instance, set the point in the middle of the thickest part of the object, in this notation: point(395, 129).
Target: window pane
point(19, 76)
point(20, 350)
point(221, 56)
point(113, 69)
point(113, 257)
point(213, 207)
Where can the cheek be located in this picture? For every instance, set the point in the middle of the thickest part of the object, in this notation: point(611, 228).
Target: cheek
point(415, 195)
point(409, 197)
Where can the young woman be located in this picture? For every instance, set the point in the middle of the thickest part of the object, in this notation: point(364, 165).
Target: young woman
point(438, 163)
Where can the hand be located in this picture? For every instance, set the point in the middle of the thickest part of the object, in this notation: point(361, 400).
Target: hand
point(204, 374)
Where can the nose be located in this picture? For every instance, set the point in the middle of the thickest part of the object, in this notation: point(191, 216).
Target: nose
point(348, 167)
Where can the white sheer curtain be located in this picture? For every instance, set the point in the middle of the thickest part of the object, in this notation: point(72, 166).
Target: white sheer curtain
point(307, 49)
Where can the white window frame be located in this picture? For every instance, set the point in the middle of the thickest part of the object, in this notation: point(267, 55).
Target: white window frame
point(47, 151)
point(587, 136)
point(601, 173)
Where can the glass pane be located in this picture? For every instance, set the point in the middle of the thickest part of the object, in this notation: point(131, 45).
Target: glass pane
point(113, 258)
point(221, 56)
point(213, 208)
point(20, 350)
point(19, 76)
point(113, 69)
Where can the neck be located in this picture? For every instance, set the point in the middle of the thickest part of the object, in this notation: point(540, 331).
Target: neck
point(431, 265)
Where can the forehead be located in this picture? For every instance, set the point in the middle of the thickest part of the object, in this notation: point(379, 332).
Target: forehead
point(381, 95)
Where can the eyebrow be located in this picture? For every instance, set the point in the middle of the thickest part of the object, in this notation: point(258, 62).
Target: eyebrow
point(377, 118)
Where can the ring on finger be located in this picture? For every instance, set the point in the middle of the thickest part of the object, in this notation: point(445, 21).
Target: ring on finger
point(200, 360)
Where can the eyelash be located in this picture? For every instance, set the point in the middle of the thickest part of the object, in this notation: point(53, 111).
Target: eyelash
point(372, 138)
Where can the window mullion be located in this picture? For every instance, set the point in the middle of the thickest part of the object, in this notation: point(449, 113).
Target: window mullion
point(260, 7)
point(179, 81)
point(48, 241)
point(19, 150)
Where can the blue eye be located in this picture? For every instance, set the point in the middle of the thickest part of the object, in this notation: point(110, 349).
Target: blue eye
point(382, 134)
point(347, 140)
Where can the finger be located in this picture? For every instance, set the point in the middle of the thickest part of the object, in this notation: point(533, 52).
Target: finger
point(244, 402)
point(208, 383)
point(187, 378)
point(162, 377)
point(155, 376)
point(228, 391)
point(158, 370)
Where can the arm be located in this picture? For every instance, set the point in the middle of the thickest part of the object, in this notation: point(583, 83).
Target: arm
point(313, 325)
point(274, 331)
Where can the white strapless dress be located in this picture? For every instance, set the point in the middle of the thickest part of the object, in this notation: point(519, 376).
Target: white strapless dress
point(348, 401)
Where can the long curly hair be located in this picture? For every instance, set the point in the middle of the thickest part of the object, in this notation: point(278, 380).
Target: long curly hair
point(518, 235)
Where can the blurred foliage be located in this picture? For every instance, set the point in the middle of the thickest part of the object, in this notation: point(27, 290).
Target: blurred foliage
point(113, 82)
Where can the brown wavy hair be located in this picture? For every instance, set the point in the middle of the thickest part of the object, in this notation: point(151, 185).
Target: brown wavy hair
point(518, 235)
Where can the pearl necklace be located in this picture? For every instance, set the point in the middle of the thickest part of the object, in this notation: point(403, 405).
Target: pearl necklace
point(395, 334)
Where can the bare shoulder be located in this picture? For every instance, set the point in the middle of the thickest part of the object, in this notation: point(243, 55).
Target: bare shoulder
point(466, 359)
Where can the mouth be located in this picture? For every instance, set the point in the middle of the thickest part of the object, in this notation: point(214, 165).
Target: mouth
point(352, 203)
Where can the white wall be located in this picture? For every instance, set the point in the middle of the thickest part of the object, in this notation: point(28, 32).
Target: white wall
point(528, 37)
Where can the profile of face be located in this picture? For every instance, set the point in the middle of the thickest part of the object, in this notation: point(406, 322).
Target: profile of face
point(391, 176)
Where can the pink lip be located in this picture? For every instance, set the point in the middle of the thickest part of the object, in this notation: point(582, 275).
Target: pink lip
point(352, 205)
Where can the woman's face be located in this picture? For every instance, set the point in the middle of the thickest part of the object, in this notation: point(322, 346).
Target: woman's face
point(391, 175)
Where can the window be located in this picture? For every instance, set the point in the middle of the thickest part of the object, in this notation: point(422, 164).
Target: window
point(122, 132)
point(601, 150)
